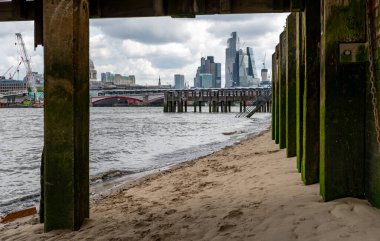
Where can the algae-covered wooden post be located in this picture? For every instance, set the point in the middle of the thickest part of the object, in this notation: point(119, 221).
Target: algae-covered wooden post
point(343, 82)
point(166, 102)
point(274, 96)
point(277, 95)
point(300, 77)
point(282, 91)
point(66, 113)
point(312, 31)
point(291, 118)
point(372, 167)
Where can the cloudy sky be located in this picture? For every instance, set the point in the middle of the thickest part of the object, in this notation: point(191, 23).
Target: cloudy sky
point(153, 47)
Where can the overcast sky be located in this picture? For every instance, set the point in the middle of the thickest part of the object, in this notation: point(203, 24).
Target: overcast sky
point(153, 47)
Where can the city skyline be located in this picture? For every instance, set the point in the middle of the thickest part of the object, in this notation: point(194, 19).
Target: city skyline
point(145, 48)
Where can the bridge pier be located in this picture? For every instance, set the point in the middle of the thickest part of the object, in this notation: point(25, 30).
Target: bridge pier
point(277, 94)
point(291, 51)
point(372, 152)
point(343, 99)
point(66, 114)
point(300, 82)
point(312, 31)
point(166, 109)
point(282, 91)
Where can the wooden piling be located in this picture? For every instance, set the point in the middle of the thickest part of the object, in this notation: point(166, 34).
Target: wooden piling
point(282, 91)
point(343, 71)
point(66, 113)
point(312, 31)
point(273, 95)
point(291, 118)
point(300, 81)
point(277, 96)
point(166, 102)
point(372, 167)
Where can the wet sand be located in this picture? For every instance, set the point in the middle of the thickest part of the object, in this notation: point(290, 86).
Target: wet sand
point(249, 191)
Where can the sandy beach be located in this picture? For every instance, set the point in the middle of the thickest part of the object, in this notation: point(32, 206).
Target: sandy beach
point(249, 191)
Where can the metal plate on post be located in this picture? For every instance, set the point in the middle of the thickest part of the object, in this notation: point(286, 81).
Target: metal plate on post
point(353, 53)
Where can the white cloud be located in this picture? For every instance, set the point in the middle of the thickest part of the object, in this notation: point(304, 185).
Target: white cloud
point(153, 47)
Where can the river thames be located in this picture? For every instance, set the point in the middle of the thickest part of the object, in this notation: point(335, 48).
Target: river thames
point(123, 141)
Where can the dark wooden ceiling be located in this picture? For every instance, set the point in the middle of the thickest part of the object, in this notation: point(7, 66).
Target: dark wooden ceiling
point(22, 10)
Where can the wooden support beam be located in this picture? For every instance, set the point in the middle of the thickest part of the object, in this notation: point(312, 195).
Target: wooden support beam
point(291, 104)
point(66, 114)
point(282, 90)
point(342, 100)
point(151, 8)
point(372, 162)
point(38, 24)
point(274, 96)
point(312, 32)
point(300, 81)
point(17, 10)
point(277, 94)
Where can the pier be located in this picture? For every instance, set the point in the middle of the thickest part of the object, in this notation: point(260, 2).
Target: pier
point(218, 100)
point(325, 91)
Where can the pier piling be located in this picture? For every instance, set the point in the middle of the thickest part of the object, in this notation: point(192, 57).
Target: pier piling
point(282, 90)
point(291, 105)
point(312, 31)
point(343, 71)
point(66, 114)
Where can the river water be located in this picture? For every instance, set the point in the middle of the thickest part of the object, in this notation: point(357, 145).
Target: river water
point(123, 142)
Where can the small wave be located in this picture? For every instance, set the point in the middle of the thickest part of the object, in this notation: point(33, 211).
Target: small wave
point(229, 133)
point(105, 176)
point(29, 197)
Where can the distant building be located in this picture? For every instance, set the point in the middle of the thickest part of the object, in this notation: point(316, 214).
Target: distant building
point(208, 66)
point(93, 72)
point(118, 79)
point(206, 80)
point(179, 81)
point(240, 65)
point(233, 45)
point(264, 74)
point(12, 85)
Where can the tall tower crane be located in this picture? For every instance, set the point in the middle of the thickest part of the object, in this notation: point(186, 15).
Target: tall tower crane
point(30, 79)
point(265, 56)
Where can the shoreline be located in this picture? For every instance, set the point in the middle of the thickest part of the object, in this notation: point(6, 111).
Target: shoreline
point(248, 191)
point(123, 183)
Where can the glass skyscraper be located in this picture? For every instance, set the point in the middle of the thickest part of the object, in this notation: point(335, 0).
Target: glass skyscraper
point(233, 44)
point(240, 65)
point(208, 66)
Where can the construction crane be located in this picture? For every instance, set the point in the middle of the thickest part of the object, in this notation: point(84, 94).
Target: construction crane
point(30, 79)
point(265, 56)
point(11, 76)
point(3, 76)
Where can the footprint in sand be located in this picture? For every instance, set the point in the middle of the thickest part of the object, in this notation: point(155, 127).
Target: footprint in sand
point(225, 227)
point(234, 214)
point(170, 212)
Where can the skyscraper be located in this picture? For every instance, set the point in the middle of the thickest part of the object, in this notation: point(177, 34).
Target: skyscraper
point(179, 81)
point(240, 65)
point(233, 44)
point(208, 66)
